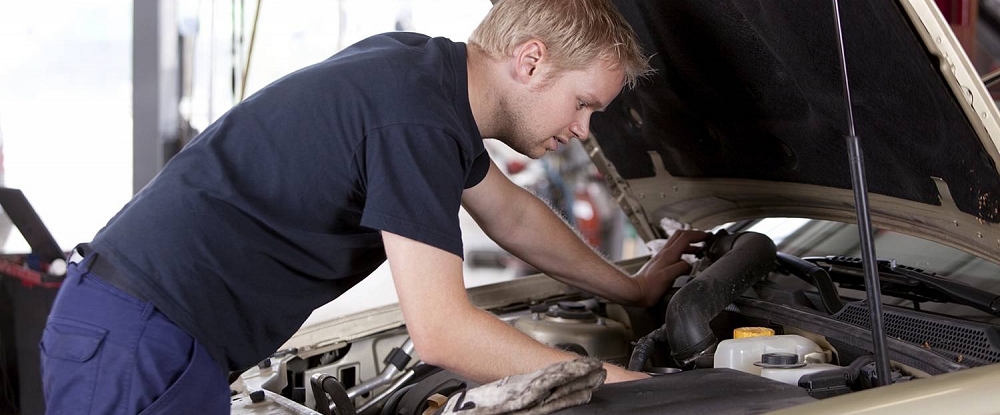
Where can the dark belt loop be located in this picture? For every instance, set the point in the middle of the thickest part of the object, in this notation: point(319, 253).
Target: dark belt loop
point(83, 250)
point(105, 269)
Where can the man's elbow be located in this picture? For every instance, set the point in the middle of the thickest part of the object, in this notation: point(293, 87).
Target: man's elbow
point(430, 348)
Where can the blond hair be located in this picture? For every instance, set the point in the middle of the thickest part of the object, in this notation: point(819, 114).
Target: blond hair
point(576, 33)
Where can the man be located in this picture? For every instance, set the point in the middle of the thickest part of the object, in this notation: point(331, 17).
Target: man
point(303, 189)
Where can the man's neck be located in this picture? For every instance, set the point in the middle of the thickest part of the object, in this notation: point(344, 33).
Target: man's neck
point(483, 91)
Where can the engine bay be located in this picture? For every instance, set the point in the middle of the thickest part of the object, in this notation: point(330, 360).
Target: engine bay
point(750, 331)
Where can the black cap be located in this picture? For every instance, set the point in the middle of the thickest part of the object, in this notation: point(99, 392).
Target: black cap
point(257, 396)
point(779, 360)
point(571, 310)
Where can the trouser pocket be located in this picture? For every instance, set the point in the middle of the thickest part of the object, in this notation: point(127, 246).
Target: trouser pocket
point(71, 354)
point(200, 388)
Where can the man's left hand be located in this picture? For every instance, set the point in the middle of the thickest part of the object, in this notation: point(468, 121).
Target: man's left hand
point(659, 273)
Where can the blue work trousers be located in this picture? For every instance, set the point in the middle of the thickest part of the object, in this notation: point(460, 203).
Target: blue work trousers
point(107, 352)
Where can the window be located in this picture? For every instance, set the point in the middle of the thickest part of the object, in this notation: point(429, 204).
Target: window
point(65, 112)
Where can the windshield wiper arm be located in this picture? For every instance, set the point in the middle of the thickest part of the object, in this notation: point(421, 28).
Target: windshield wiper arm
point(917, 282)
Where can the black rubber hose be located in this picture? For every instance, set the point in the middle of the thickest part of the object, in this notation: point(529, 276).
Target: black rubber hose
point(643, 348)
point(854, 369)
point(390, 404)
point(844, 376)
point(818, 277)
point(327, 384)
point(739, 261)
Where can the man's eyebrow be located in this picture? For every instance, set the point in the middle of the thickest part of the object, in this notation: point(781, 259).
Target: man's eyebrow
point(594, 102)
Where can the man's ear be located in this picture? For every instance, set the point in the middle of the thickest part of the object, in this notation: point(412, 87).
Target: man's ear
point(526, 61)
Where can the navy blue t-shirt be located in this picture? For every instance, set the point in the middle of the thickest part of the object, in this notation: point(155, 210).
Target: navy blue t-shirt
point(275, 209)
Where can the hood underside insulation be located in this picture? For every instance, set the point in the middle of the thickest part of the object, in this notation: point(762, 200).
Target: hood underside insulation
point(752, 90)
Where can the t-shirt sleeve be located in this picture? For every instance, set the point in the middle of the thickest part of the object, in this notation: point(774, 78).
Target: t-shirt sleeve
point(414, 178)
point(480, 166)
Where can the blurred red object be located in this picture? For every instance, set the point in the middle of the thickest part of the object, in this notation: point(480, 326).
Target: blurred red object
point(515, 166)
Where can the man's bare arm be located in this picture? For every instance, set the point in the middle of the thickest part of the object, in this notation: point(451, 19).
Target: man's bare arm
point(448, 331)
point(527, 228)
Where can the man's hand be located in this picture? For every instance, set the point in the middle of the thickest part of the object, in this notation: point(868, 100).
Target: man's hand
point(527, 228)
point(659, 273)
point(620, 374)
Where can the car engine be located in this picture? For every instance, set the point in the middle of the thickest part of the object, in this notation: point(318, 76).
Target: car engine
point(751, 331)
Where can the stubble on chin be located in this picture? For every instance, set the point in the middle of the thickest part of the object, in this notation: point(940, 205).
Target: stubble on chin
point(514, 131)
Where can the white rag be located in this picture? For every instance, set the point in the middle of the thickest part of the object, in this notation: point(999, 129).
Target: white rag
point(544, 391)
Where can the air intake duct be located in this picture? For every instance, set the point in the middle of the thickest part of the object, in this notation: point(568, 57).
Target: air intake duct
point(738, 262)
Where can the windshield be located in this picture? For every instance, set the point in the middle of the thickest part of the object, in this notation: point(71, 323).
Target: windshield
point(808, 237)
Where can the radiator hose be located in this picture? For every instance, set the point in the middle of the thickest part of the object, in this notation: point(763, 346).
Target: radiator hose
point(738, 262)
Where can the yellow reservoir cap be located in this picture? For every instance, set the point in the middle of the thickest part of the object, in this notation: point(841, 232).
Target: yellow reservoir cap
point(744, 332)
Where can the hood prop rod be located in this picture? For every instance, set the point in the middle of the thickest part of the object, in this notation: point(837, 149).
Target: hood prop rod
point(859, 184)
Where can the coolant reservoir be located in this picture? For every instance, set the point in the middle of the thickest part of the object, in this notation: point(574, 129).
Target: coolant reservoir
point(740, 354)
point(791, 375)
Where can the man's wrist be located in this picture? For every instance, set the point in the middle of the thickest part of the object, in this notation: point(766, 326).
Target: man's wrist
point(620, 374)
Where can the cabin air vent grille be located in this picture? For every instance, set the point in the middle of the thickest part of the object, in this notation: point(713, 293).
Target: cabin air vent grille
point(969, 343)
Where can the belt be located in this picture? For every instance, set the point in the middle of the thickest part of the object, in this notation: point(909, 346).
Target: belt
point(103, 268)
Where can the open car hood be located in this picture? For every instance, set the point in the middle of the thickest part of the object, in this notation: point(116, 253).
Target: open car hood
point(745, 118)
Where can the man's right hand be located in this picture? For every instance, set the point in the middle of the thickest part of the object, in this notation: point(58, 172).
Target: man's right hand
point(658, 274)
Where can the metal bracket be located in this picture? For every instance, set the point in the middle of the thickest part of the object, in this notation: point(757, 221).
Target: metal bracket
point(621, 191)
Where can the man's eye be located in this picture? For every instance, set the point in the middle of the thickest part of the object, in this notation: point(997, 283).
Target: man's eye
point(580, 105)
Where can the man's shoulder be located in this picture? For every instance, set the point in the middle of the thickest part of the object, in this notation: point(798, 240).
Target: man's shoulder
point(417, 81)
point(400, 39)
point(386, 79)
point(409, 47)
point(387, 60)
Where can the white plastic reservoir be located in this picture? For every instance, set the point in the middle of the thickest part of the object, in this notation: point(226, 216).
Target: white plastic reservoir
point(791, 376)
point(740, 354)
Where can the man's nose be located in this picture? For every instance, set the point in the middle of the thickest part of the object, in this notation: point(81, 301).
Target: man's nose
point(581, 129)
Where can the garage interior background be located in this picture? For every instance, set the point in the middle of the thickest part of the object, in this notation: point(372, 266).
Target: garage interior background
point(96, 95)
